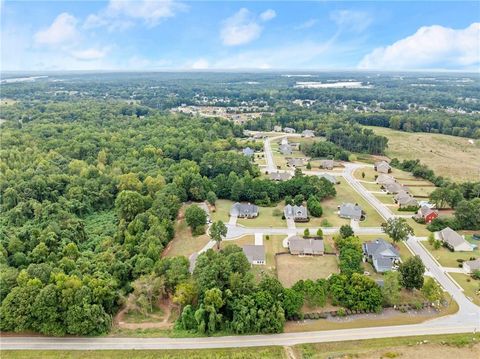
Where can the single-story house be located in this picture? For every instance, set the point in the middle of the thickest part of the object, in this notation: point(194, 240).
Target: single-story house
point(426, 203)
point(280, 176)
point(427, 214)
point(289, 130)
point(310, 246)
point(255, 254)
point(284, 141)
point(329, 178)
point(351, 211)
point(383, 179)
point(471, 266)
point(297, 213)
point(277, 128)
point(248, 152)
point(308, 133)
point(394, 188)
point(403, 199)
point(285, 149)
point(454, 241)
point(383, 255)
point(382, 167)
point(295, 162)
point(327, 164)
point(244, 210)
point(259, 136)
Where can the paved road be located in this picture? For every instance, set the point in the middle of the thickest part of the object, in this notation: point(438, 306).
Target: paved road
point(467, 319)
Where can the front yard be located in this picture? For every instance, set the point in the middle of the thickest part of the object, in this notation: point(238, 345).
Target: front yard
point(447, 258)
point(267, 217)
point(290, 269)
point(471, 287)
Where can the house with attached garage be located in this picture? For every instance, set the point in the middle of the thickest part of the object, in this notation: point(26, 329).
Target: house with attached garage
point(454, 241)
point(394, 188)
point(295, 162)
point(350, 211)
point(255, 254)
point(285, 149)
point(383, 256)
point(297, 213)
point(471, 266)
point(289, 130)
point(244, 210)
point(327, 164)
point(405, 200)
point(308, 133)
point(280, 176)
point(305, 247)
point(329, 178)
point(384, 179)
point(427, 214)
point(382, 167)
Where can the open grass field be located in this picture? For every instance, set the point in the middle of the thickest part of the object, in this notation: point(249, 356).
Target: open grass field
point(243, 240)
point(420, 230)
point(471, 287)
point(463, 346)
point(290, 269)
point(222, 210)
point(7, 102)
point(447, 258)
point(184, 243)
point(448, 156)
point(266, 218)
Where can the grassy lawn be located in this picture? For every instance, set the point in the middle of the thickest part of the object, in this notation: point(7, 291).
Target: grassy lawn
point(136, 317)
point(290, 269)
point(265, 218)
point(248, 239)
point(471, 287)
point(422, 191)
point(371, 186)
point(448, 156)
point(447, 258)
point(260, 159)
point(222, 210)
point(419, 229)
point(184, 243)
point(397, 319)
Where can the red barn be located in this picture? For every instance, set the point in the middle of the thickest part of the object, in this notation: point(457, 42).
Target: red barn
point(427, 214)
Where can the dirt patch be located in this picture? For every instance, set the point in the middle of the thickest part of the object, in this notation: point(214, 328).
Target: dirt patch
point(162, 322)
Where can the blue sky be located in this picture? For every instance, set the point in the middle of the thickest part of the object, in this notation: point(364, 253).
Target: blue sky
point(187, 35)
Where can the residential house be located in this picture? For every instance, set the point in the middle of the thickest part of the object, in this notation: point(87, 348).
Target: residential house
point(284, 141)
point(297, 213)
point(329, 178)
point(277, 128)
point(280, 176)
point(350, 211)
point(404, 200)
point(248, 152)
point(394, 188)
point(383, 255)
point(308, 133)
point(303, 247)
point(255, 254)
point(327, 164)
point(295, 162)
point(259, 136)
point(289, 130)
point(471, 266)
point(285, 149)
point(454, 241)
point(382, 167)
point(244, 210)
point(384, 179)
point(427, 214)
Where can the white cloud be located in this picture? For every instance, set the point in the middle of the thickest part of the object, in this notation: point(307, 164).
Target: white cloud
point(89, 54)
point(351, 20)
point(268, 15)
point(430, 47)
point(62, 30)
point(307, 24)
point(121, 14)
point(200, 64)
point(243, 27)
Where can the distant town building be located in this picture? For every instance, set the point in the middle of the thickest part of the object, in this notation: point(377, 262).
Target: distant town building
point(297, 213)
point(244, 210)
point(350, 211)
point(308, 133)
point(289, 130)
point(255, 254)
point(303, 247)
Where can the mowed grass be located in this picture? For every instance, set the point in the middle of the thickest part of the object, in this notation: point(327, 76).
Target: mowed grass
point(222, 210)
point(471, 287)
point(447, 156)
point(290, 268)
point(447, 258)
point(241, 241)
point(266, 218)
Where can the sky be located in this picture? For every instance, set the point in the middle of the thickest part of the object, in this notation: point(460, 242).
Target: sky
point(159, 35)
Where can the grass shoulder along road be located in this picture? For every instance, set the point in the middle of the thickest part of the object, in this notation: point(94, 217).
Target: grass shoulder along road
point(447, 258)
point(471, 287)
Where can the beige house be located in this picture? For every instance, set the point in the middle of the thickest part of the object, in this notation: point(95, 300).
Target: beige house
point(454, 241)
point(303, 247)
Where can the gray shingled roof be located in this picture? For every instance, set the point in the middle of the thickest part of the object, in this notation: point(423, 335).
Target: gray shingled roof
point(403, 197)
point(244, 209)
point(248, 151)
point(451, 237)
point(350, 210)
point(307, 246)
point(474, 265)
point(254, 253)
point(295, 211)
point(329, 177)
point(280, 176)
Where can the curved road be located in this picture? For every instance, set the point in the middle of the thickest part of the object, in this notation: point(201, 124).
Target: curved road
point(467, 319)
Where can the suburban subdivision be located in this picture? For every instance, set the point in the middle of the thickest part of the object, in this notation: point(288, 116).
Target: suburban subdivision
point(269, 216)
